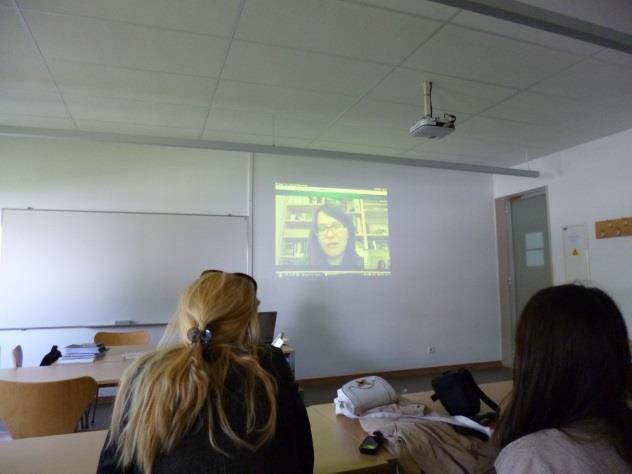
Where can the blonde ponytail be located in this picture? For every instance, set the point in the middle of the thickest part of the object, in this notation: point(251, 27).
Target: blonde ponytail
point(163, 394)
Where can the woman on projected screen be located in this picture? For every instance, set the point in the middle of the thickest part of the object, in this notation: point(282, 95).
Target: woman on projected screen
point(332, 239)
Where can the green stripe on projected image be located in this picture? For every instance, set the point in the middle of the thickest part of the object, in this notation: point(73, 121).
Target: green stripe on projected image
point(333, 195)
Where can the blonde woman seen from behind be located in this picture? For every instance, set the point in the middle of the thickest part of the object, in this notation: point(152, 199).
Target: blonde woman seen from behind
point(217, 401)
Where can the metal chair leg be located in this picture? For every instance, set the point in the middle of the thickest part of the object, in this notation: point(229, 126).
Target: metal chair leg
point(94, 411)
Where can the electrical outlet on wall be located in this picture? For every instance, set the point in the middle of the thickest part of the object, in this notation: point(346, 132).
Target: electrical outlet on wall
point(431, 349)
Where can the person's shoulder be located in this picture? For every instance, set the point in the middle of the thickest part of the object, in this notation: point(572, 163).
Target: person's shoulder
point(274, 361)
point(553, 450)
point(529, 454)
point(271, 355)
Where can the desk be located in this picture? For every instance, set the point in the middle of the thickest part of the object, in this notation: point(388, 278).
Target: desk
point(78, 453)
point(354, 434)
point(336, 441)
point(497, 391)
point(107, 371)
point(335, 450)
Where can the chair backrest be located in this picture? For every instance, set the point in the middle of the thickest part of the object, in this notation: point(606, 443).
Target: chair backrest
point(133, 338)
point(18, 356)
point(44, 408)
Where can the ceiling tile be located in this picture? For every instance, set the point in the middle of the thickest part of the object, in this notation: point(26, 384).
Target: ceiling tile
point(448, 93)
point(134, 129)
point(554, 112)
point(25, 74)
point(6, 3)
point(484, 57)
point(395, 138)
point(225, 136)
point(526, 33)
point(240, 121)
point(32, 103)
point(35, 121)
point(280, 101)
point(14, 38)
point(214, 17)
point(297, 128)
point(520, 133)
point(335, 27)
point(416, 7)
point(136, 111)
point(615, 57)
point(374, 113)
point(354, 148)
point(590, 78)
point(108, 81)
point(124, 45)
point(251, 62)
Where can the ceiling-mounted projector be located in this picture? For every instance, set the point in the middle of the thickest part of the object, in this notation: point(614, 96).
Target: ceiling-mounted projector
point(429, 126)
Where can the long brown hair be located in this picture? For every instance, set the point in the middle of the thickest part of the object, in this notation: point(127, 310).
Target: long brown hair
point(164, 393)
point(572, 364)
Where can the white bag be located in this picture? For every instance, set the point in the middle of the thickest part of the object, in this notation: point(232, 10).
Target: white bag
point(360, 395)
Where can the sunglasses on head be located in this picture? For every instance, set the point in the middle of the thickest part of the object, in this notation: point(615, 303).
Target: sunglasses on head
point(238, 274)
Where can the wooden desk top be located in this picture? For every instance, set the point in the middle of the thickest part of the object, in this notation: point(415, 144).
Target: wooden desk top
point(106, 371)
point(336, 451)
point(497, 391)
point(78, 453)
point(336, 441)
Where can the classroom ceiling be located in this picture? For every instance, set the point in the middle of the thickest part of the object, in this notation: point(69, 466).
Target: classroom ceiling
point(340, 75)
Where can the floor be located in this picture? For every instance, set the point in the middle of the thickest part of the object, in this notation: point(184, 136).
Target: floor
point(324, 393)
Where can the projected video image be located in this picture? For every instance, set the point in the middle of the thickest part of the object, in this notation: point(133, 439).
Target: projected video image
point(331, 231)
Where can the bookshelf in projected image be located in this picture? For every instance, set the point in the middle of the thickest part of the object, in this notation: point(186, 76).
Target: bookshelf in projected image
point(370, 219)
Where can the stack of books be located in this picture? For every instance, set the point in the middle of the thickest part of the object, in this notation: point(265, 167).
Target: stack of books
point(79, 353)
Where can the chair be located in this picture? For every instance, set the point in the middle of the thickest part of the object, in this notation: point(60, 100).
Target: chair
point(133, 338)
point(44, 408)
point(18, 356)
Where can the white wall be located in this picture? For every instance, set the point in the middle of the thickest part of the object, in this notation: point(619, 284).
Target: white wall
point(588, 183)
point(443, 287)
point(57, 174)
point(443, 290)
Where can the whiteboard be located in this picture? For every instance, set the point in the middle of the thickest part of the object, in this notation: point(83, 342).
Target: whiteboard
point(75, 268)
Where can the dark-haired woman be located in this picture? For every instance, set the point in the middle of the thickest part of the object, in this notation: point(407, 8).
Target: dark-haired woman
point(569, 411)
point(332, 239)
point(215, 402)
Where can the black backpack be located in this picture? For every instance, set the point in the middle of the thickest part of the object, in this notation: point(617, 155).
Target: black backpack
point(51, 357)
point(460, 395)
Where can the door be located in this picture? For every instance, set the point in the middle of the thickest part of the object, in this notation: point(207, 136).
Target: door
point(523, 258)
point(530, 243)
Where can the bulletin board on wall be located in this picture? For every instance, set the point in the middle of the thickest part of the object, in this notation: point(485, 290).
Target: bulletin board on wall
point(79, 268)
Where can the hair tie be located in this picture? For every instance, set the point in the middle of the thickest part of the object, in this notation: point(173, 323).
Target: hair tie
point(202, 336)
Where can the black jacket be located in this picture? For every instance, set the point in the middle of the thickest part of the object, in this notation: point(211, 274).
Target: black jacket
point(290, 450)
